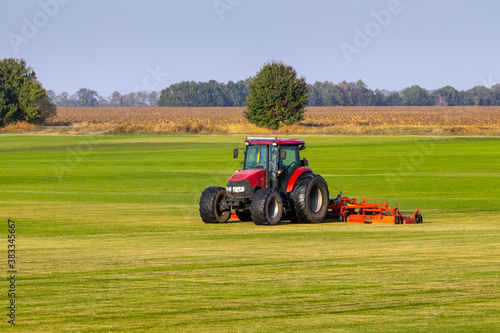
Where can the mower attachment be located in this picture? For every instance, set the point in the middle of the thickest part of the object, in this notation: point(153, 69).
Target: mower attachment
point(362, 210)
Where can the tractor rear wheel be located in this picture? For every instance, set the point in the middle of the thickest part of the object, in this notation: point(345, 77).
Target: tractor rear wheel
point(309, 199)
point(266, 207)
point(210, 200)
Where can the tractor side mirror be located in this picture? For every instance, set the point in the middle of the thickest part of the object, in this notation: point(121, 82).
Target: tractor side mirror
point(283, 155)
point(235, 153)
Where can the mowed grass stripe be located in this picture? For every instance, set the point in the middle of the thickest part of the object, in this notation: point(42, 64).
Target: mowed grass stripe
point(117, 244)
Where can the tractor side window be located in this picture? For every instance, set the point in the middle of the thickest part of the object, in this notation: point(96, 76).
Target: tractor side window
point(288, 165)
point(292, 159)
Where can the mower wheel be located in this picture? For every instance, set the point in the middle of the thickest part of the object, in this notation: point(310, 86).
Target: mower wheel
point(309, 199)
point(210, 205)
point(244, 216)
point(266, 207)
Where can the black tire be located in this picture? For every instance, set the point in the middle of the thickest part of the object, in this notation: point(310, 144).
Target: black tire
point(309, 199)
point(396, 219)
point(266, 207)
point(209, 205)
point(244, 216)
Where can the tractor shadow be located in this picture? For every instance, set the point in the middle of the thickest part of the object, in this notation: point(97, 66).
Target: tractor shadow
point(326, 220)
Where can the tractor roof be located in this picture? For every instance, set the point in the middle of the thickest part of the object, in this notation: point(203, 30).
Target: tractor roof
point(273, 141)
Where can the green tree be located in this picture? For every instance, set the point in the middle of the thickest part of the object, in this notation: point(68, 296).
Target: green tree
point(394, 98)
point(314, 97)
point(416, 96)
point(22, 97)
point(332, 94)
point(380, 97)
point(87, 98)
point(480, 95)
point(446, 96)
point(361, 95)
point(276, 96)
point(495, 94)
point(183, 94)
point(237, 93)
point(115, 99)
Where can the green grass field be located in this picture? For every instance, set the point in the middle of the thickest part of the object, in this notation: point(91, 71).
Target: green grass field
point(108, 238)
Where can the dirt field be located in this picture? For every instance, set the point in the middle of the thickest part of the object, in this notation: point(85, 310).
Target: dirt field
point(318, 120)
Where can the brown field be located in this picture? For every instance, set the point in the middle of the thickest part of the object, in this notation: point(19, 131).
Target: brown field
point(318, 120)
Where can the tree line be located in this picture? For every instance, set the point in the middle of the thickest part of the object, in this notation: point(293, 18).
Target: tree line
point(90, 98)
point(204, 94)
point(183, 94)
point(273, 92)
point(328, 93)
point(215, 94)
point(357, 94)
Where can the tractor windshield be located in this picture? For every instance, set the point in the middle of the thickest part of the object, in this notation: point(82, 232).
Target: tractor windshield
point(256, 157)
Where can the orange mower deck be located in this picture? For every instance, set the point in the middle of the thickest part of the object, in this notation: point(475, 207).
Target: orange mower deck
point(362, 210)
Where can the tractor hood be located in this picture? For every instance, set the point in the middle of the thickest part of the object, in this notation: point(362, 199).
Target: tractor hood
point(245, 181)
point(257, 177)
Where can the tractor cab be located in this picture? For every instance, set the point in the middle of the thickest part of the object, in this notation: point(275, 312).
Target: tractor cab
point(279, 158)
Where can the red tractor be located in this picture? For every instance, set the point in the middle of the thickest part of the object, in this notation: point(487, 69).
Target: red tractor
point(273, 183)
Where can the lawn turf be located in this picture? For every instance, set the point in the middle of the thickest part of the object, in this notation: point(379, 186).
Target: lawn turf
point(109, 238)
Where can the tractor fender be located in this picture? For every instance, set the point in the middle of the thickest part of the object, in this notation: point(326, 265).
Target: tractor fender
point(295, 175)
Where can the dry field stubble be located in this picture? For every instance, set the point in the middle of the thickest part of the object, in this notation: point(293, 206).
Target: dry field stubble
point(317, 120)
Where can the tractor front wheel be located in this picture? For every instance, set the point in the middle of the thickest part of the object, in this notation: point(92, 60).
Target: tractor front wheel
point(266, 207)
point(210, 200)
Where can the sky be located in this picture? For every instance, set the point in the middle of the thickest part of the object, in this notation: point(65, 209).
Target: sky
point(125, 46)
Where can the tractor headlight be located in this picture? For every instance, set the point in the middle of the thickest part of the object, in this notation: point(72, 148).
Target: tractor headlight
point(235, 189)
